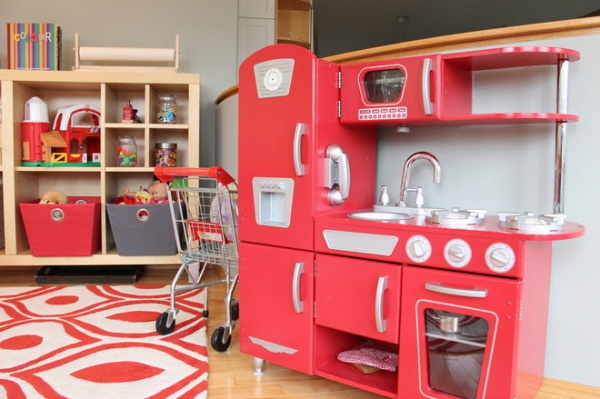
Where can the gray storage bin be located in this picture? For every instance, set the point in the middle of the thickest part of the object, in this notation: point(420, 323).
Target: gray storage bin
point(145, 229)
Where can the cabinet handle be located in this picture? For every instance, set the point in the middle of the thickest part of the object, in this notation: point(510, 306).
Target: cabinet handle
point(298, 271)
point(426, 86)
point(470, 293)
point(380, 322)
point(298, 133)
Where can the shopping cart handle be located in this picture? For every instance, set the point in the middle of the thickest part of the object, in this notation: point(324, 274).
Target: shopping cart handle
point(165, 174)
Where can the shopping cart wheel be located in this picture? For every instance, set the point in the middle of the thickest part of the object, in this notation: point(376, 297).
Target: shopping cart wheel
point(161, 324)
point(205, 313)
point(217, 340)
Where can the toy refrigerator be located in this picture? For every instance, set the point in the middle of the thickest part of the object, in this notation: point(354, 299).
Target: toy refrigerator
point(295, 161)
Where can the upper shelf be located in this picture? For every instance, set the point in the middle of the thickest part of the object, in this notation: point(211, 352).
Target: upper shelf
point(512, 57)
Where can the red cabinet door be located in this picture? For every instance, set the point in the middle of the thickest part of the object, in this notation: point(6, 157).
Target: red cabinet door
point(276, 305)
point(358, 296)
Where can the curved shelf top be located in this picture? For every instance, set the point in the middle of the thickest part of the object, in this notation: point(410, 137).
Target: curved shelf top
point(512, 57)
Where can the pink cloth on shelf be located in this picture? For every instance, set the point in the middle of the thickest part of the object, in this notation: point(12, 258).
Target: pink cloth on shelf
point(371, 357)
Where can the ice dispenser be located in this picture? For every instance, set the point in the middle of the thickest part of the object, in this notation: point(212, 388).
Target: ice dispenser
point(273, 198)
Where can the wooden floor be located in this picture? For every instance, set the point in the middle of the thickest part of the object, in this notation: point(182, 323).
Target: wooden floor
point(231, 375)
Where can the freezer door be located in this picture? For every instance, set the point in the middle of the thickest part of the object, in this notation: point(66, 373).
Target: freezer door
point(276, 305)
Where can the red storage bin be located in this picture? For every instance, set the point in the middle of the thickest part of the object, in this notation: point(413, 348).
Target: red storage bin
point(71, 229)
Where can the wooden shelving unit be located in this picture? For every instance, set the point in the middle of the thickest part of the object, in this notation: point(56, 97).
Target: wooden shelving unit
point(109, 91)
point(293, 22)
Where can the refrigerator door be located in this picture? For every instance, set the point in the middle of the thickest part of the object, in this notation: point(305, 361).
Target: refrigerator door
point(276, 311)
point(295, 158)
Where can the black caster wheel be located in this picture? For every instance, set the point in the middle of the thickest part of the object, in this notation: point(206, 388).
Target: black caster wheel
point(217, 340)
point(205, 314)
point(161, 324)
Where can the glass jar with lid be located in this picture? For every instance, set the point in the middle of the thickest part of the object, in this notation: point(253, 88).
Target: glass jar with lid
point(126, 152)
point(165, 154)
point(167, 109)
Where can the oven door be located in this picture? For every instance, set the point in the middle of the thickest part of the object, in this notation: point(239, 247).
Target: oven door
point(390, 91)
point(459, 338)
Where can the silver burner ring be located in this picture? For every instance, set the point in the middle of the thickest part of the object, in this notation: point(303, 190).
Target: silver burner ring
point(456, 217)
point(527, 222)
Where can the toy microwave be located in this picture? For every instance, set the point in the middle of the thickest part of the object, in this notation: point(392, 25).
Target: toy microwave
point(390, 91)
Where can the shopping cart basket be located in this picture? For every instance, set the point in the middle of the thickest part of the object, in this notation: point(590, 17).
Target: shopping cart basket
point(203, 205)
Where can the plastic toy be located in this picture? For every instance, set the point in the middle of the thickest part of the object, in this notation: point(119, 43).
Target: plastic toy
point(155, 193)
point(73, 141)
point(54, 197)
point(141, 196)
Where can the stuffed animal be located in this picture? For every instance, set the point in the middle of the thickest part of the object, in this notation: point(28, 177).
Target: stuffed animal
point(158, 191)
point(54, 197)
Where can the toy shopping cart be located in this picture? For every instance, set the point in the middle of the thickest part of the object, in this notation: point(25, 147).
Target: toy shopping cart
point(203, 205)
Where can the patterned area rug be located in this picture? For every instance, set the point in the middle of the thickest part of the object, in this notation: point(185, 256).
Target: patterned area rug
point(100, 342)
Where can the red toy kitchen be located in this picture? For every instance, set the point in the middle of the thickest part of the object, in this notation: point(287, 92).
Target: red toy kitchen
point(339, 280)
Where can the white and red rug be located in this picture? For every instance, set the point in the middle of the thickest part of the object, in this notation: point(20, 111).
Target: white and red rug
point(100, 342)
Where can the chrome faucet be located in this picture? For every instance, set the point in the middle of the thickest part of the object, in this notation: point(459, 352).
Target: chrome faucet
point(437, 170)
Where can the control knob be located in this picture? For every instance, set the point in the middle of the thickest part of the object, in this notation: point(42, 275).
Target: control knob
point(500, 257)
point(457, 253)
point(418, 249)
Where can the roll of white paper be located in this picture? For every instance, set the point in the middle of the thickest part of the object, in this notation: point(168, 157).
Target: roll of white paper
point(126, 54)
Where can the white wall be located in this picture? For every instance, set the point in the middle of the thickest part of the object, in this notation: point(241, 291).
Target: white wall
point(207, 30)
point(511, 168)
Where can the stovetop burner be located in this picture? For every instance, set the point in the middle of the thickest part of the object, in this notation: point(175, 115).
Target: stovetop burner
point(527, 222)
point(456, 216)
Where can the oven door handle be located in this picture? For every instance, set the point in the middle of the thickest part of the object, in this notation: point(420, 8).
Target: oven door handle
point(380, 322)
point(469, 293)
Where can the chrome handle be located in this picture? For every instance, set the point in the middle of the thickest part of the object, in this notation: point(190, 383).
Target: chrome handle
point(426, 86)
point(298, 303)
point(469, 293)
point(298, 133)
point(380, 322)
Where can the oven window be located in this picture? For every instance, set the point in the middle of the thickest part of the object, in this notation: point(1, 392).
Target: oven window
point(455, 349)
point(384, 86)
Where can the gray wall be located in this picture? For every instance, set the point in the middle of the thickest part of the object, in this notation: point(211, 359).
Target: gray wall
point(207, 30)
